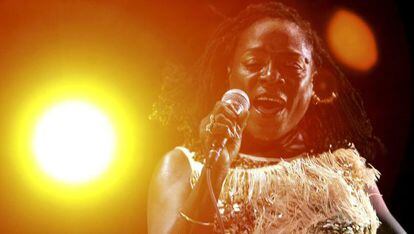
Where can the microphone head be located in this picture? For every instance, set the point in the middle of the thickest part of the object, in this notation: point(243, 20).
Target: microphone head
point(238, 97)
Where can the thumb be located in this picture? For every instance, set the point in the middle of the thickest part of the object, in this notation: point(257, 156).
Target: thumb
point(244, 116)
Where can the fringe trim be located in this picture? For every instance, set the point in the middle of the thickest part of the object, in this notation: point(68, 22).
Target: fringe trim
point(292, 197)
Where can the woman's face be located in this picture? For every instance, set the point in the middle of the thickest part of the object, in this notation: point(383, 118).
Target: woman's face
point(273, 64)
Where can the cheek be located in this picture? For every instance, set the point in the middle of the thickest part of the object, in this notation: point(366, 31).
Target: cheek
point(242, 79)
point(305, 98)
point(303, 86)
point(307, 90)
point(302, 97)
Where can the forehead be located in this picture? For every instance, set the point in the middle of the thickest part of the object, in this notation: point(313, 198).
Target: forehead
point(275, 36)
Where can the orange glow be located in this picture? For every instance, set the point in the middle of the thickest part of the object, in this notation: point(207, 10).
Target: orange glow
point(352, 41)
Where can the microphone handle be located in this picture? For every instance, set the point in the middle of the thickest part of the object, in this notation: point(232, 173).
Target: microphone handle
point(215, 152)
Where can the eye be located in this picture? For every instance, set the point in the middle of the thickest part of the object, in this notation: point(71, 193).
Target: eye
point(291, 69)
point(254, 64)
point(295, 65)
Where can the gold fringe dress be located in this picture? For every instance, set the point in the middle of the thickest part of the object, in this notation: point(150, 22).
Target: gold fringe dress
point(324, 193)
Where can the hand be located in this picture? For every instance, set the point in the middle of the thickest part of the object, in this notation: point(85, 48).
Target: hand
point(223, 122)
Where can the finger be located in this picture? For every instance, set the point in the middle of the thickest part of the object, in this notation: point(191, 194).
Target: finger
point(218, 132)
point(237, 132)
point(226, 109)
point(243, 118)
point(203, 126)
point(221, 118)
point(219, 129)
point(234, 108)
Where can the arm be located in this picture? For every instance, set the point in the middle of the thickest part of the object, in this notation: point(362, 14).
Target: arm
point(389, 223)
point(170, 193)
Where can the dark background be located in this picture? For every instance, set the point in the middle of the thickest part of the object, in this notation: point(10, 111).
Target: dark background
point(177, 31)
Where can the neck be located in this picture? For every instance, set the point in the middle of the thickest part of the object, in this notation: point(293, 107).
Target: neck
point(290, 145)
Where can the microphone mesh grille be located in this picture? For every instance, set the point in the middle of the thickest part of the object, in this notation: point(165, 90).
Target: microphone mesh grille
point(237, 96)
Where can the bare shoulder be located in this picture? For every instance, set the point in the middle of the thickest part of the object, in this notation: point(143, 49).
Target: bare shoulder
point(173, 165)
point(172, 174)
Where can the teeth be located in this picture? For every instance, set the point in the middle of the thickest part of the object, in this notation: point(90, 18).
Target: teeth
point(267, 99)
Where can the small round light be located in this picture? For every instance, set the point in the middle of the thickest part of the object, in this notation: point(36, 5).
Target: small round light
point(352, 41)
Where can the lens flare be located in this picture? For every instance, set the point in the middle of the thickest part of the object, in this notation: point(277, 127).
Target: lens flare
point(74, 142)
point(352, 41)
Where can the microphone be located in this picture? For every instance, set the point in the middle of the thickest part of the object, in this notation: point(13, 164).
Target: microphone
point(241, 101)
point(238, 98)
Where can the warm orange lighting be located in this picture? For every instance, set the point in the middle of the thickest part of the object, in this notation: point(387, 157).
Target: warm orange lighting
point(352, 41)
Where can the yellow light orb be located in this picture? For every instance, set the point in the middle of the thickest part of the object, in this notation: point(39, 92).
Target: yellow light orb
point(74, 142)
point(352, 41)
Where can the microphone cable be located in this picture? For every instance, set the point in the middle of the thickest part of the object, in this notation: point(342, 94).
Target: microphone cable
point(213, 155)
point(213, 199)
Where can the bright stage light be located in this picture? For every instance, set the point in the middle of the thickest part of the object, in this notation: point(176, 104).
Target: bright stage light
point(74, 142)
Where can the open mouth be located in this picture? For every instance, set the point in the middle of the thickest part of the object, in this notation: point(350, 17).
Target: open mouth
point(269, 105)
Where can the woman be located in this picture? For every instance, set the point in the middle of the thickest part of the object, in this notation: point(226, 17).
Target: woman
point(292, 163)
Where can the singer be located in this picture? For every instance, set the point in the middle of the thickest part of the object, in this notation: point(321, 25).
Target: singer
point(294, 162)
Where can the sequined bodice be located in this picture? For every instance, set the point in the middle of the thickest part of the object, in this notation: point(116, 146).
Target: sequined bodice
point(309, 194)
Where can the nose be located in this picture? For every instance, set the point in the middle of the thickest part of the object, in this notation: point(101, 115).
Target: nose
point(271, 75)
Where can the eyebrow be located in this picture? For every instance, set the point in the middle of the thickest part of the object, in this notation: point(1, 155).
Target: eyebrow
point(289, 52)
point(256, 50)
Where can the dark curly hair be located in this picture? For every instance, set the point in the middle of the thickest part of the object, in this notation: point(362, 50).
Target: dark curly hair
point(193, 93)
